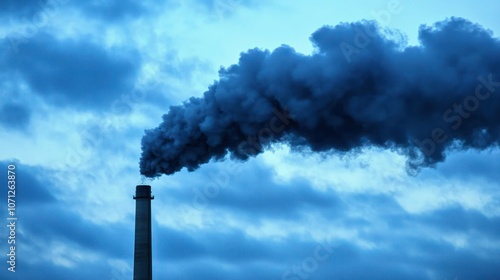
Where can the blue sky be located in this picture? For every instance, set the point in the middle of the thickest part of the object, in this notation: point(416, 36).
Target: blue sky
point(80, 82)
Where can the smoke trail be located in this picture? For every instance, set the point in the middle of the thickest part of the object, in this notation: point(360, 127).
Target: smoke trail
point(361, 87)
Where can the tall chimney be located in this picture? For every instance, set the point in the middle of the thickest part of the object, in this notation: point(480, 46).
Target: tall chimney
point(143, 268)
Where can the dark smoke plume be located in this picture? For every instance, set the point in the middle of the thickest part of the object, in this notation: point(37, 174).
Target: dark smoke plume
point(362, 87)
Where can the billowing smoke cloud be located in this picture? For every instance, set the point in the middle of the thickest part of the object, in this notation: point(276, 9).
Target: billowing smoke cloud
point(361, 87)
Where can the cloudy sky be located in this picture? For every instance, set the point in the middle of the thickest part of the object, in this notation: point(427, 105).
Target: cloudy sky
point(81, 81)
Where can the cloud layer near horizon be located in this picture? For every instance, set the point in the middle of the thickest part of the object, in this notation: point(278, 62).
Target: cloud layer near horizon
point(81, 83)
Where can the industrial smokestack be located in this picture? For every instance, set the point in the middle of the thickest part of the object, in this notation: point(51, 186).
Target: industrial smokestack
point(361, 87)
point(143, 267)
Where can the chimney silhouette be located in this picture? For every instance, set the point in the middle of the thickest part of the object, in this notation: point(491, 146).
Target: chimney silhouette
point(143, 267)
